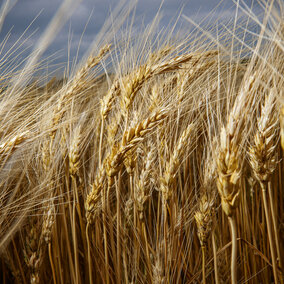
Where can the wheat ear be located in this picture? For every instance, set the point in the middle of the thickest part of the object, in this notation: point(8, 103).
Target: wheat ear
point(204, 220)
point(74, 153)
point(47, 225)
point(9, 146)
point(142, 184)
point(133, 82)
point(33, 253)
point(173, 163)
point(114, 160)
point(130, 139)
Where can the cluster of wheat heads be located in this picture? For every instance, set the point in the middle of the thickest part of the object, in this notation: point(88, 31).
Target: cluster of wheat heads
point(166, 169)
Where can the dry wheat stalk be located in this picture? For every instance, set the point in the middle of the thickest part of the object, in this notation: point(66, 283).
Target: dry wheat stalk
point(17, 272)
point(282, 126)
point(204, 217)
point(126, 240)
point(228, 160)
point(205, 213)
point(179, 61)
point(114, 160)
point(262, 153)
point(132, 82)
point(263, 162)
point(229, 164)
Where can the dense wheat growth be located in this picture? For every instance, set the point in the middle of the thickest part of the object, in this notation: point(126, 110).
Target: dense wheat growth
point(158, 159)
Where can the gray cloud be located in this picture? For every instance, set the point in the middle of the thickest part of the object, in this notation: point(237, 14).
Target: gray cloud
point(25, 11)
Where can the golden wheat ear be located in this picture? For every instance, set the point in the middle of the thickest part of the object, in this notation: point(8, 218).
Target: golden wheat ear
point(204, 220)
point(174, 162)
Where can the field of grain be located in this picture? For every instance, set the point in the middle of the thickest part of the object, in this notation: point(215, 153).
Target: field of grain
point(157, 160)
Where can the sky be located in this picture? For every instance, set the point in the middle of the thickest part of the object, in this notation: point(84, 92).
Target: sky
point(31, 17)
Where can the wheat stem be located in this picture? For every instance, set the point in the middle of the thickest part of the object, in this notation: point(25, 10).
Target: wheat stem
point(118, 228)
point(233, 226)
point(51, 263)
point(270, 237)
point(203, 249)
point(274, 222)
point(104, 198)
point(215, 259)
point(75, 242)
point(282, 126)
point(89, 255)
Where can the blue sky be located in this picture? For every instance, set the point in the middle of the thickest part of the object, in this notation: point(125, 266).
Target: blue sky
point(97, 11)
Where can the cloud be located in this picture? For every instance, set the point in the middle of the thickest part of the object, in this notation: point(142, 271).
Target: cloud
point(25, 11)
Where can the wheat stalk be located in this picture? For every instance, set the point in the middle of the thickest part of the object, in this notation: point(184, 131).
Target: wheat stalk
point(229, 164)
point(263, 162)
point(282, 126)
point(114, 160)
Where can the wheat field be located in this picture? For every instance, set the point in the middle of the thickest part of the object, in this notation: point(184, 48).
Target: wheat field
point(157, 159)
